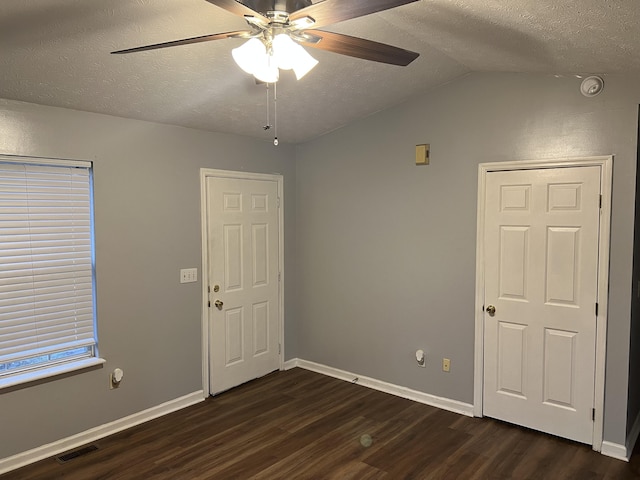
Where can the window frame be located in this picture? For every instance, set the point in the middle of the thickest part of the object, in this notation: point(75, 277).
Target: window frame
point(53, 368)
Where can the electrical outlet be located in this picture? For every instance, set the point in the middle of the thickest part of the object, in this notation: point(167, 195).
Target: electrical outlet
point(421, 358)
point(446, 364)
point(115, 378)
point(188, 275)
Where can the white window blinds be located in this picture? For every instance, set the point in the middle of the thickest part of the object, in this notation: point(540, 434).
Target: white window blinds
point(46, 265)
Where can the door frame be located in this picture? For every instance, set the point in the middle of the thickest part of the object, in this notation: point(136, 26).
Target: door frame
point(207, 173)
point(606, 175)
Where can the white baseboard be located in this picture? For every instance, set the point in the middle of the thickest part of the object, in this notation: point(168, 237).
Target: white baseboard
point(289, 364)
point(420, 397)
point(614, 450)
point(96, 433)
point(632, 438)
point(623, 452)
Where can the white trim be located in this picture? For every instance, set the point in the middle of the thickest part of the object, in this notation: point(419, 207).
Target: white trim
point(289, 364)
point(397, 390)
point(478, 371)
point(210, 172)
point(281, 263)
point(606, 176)
point(51, 371)
point(614, 450)
point(93, 434)
point(204, 315)
point(632, 437)
point(606, 179)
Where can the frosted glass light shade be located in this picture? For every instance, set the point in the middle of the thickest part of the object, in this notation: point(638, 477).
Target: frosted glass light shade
point(284, 51)
point(267, 70)
point(253, 58)
point(290, 55)
point(250, 55)
point(303, 63)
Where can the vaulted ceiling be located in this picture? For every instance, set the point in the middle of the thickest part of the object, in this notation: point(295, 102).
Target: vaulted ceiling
point(56, 52)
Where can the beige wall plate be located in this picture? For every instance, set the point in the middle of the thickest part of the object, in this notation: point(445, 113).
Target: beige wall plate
point(422, 154)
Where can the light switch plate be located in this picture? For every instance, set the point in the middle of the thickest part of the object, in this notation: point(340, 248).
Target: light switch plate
point(188, 275)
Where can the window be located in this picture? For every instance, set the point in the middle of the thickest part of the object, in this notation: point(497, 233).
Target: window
point(47, 292)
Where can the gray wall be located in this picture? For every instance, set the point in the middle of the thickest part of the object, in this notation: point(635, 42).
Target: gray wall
point(147, 210)
point(380, 254)
point(386, 249)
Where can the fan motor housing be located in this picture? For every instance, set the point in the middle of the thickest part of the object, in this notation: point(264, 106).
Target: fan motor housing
point(288, 6)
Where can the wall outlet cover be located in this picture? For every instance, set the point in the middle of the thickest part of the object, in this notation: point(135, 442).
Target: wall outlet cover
point(446, 364)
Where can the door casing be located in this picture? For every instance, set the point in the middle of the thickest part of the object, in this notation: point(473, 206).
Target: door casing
point(606, 164)
point(208, 172)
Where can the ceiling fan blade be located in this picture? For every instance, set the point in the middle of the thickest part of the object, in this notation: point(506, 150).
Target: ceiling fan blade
point(239, 9)
point(186, 41)
point(361, 48)
point(334, 11)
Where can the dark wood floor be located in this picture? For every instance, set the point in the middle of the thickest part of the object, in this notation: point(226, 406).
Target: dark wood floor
point(302, 425)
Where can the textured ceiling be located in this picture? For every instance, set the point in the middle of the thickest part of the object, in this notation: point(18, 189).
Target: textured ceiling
point(56, 52)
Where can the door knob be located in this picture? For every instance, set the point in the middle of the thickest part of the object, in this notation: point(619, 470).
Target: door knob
point(218, 304)
point(491, 310)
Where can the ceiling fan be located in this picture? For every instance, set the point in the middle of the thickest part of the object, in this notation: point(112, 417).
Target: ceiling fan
point(278, 28)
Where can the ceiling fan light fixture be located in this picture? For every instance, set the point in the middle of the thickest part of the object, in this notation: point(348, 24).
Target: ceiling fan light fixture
point(290, 55)
point(251, 55)
point(254, 58)
point(304, 63)
point(267, 70)
point(283, 51)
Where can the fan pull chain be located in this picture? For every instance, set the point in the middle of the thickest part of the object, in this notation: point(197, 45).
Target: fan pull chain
point(275, 114)
point(267, 125)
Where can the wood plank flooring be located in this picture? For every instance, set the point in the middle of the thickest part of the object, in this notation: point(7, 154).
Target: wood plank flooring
point(302, 425)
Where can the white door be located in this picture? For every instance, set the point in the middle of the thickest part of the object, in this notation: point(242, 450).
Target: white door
point(541, 257)
point(243, 230)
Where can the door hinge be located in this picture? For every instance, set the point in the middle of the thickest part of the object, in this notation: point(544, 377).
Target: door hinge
point(600, 201)
point(278, 202)
point(593, 414)
point(279, 276)
point(279, 349)
point(208, 288)
point(209, 303)
point(596, 309)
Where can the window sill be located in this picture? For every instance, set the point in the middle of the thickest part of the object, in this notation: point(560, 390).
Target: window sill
point(28, 377)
